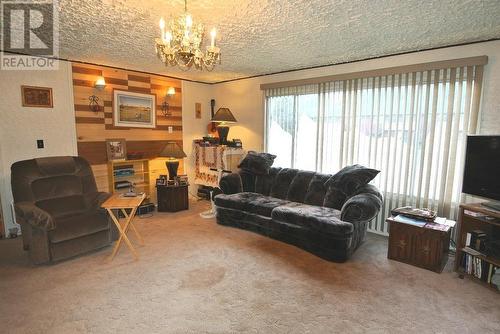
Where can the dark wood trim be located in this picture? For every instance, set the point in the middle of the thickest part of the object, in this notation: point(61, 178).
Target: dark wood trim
point(169, 118)
point(89, 120)
point(176, 108)
point(83, 83)
point(85, 70)
point(95, 151)
point(138, 78)
point(116, 81)
point(139, 89)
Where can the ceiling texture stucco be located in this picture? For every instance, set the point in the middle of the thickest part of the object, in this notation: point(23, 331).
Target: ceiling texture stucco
point(267, 36)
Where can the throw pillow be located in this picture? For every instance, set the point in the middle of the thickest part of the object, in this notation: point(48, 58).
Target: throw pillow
point(257, 163)
point(344, 184)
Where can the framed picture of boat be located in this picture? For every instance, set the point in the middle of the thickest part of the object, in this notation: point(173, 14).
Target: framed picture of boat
point(134, 110)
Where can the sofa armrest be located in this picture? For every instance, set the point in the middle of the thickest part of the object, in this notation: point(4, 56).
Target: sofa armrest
point(34, 216)
point(231, 184)
point(363, 206)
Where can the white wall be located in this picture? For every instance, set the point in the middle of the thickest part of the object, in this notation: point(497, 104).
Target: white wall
point(192, 127)
point(20, 127)
point(245, 99)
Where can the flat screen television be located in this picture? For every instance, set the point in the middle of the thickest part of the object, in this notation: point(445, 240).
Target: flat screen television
point(482, 168)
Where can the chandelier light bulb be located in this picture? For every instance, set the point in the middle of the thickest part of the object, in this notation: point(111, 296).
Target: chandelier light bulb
point(162, 23)
point(189, 21)
point(168, 37)
point(213, 33)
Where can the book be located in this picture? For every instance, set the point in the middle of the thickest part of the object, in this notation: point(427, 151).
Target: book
point(410, 221)
point(473, 213)
point(408, 211)
point(438, 227)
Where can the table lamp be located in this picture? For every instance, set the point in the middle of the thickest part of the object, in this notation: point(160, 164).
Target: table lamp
point(223, 116)
point(173, 152)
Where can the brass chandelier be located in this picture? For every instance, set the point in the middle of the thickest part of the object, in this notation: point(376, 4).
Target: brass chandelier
point(181, 44)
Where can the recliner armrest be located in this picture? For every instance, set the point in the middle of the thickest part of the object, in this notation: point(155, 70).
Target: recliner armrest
point(101, 198)
point(231, 184)
point(363, 206)
point(34, 216)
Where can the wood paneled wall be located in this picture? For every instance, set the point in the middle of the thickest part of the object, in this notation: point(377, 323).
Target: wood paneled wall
point(93, 128)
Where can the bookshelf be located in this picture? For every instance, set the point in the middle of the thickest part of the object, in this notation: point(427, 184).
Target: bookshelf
point(132, 171)
point(467, 223)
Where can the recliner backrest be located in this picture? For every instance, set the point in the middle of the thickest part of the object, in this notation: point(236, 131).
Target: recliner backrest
point(59, 185)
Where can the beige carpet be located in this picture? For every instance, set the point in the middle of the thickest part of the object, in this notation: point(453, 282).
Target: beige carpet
point(195, 276)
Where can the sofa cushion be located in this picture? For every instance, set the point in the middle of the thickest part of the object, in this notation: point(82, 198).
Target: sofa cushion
point(264, 205)
point(257, 163)
point(345, 183)
point(247, 181)
point(264, 183)
point(317, 218)
point(250, 202)
point(316, 190)
point(72, 227)
point(282, 182)
point(298, 188)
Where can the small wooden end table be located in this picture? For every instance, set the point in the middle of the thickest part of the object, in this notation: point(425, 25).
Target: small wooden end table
point(121, 203)
point(172, 198)
point(424, 247)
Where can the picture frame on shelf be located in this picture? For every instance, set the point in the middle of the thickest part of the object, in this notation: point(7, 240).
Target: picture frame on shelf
point(134, 110)
point(116, 149)
point(37, 97)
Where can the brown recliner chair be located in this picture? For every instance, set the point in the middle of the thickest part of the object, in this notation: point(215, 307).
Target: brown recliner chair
point(58, 207)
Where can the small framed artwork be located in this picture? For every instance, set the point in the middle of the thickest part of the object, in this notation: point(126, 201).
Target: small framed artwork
point(37, 97)
point(197, 110)
point(116, 149)
point(134, 110)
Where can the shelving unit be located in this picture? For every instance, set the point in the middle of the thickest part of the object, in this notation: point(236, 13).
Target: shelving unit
point(466, 224)
point(140, 176)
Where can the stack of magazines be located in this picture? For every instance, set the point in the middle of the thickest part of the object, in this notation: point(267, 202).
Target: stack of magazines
point(422, 218)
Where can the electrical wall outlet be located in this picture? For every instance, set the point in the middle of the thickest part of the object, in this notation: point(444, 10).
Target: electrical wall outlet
point(39, 143)
point(170, 129)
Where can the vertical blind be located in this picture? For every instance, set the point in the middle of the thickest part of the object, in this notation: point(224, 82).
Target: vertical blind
point(411, 126)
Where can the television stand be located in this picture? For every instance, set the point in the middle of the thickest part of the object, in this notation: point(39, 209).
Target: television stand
point(476, 217)
point(492, 205)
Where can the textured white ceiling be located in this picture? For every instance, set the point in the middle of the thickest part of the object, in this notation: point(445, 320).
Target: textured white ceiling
point(266, 36)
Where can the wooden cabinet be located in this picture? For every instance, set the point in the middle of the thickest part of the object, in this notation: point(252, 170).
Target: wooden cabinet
point(419, 246)
point(172, 198)
point(476, 217)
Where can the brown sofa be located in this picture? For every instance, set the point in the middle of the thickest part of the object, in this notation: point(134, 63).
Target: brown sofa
point(58, 207)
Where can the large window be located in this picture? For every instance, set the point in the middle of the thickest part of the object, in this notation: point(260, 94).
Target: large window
point(411, 126)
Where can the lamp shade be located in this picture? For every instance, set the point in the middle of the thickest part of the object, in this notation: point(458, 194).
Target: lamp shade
point(172, 150)
point(224, 115)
